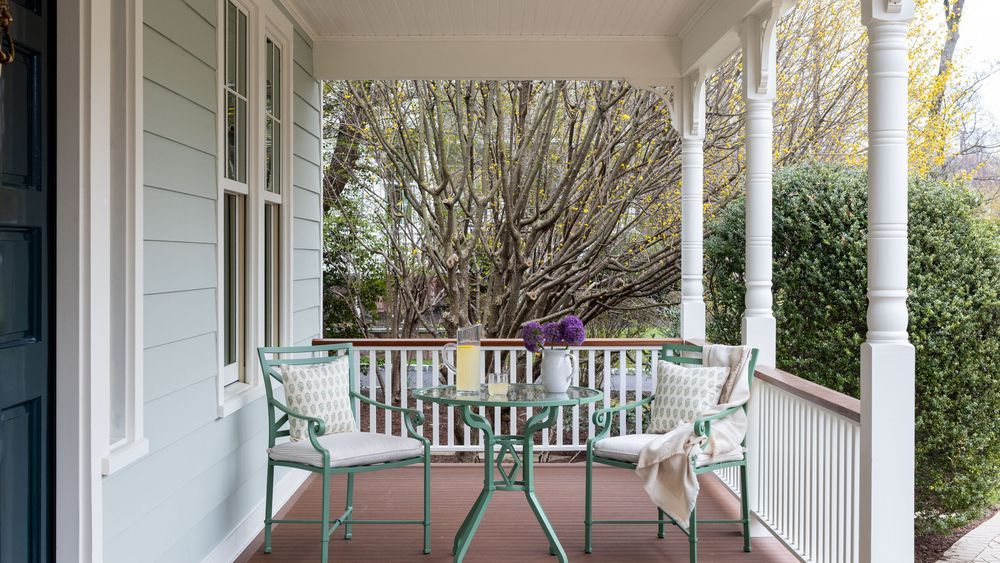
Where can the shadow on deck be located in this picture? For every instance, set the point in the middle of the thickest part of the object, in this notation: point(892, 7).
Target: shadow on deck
point(509, 531)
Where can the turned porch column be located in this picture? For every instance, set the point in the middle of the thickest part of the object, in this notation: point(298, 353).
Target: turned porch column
point(688, 120)
point(759, 62)
point(887, 357)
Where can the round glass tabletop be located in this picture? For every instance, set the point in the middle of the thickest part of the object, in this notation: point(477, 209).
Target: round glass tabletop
point(518, 395)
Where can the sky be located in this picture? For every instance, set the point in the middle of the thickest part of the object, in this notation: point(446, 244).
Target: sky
point(979, 43)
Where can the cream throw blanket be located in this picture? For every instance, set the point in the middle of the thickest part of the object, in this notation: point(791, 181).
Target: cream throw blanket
point(666, 464)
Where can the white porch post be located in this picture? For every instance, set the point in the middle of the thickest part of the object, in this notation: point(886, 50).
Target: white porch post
point(887, 357)
point(689, 121)
point(759, 63)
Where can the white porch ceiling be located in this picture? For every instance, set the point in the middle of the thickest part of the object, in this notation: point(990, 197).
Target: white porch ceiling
point(645, 41)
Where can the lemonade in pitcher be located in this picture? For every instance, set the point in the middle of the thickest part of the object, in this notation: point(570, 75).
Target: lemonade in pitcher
point(466, 366)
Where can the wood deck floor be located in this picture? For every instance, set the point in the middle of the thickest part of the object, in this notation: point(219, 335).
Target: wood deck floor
point(509, 531)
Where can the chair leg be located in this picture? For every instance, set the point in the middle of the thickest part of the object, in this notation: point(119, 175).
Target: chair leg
point(427, 500)
point(659, 517)
point(693, 537)
point(588, 520)
point(325, 529)
point(349, 504)
point(745, 508)
point(268, 516)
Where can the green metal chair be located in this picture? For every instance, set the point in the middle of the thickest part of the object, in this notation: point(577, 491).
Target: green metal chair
point(702, 427)
point(315, 456)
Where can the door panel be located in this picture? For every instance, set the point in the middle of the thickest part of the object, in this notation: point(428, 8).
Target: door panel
point(25, 301)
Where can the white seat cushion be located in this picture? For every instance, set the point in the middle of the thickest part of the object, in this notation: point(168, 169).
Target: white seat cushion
point(627, 448)
point(348, 449)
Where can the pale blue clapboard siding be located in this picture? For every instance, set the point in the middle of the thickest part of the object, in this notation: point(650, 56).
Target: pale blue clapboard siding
point(203, 474)
point(171, 367)
point(162, 274)
point(170, 165)
point(307, 264)
point(178, 217)
point(305, 174)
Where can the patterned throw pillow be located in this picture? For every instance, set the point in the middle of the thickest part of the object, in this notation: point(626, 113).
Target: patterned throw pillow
point(321, 391)
point(683, 394)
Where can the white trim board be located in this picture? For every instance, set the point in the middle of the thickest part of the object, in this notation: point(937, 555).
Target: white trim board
point(244, 533)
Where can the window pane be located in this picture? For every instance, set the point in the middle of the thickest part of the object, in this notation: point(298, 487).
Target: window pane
point(276, 82)
point(276, 159)
point(241, 140)
point(269, 183)
point(241, 87)
point(234, 277)
point(230, 45)
point(269, 78)
point(231, 136)
point(272, 267)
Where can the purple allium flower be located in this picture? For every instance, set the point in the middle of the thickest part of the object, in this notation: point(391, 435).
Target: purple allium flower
point(573, 332)
point(532, 334)
point(552, 333)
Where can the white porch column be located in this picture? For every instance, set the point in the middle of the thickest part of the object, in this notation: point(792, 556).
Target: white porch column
point(887, 357)
point(689, 121)
point(759, 63)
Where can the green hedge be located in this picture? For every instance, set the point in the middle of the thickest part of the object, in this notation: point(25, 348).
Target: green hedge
point(820, 220)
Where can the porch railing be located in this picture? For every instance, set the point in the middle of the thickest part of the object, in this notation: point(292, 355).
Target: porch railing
point(806, 437)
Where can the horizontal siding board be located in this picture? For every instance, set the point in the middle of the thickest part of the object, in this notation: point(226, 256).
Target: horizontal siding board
point(170, 317)
point(305, 234)
point(179, 414)
point(305, 174)
point(172, 216)
point(307, 204)
point(305, 324)
point(306, 116)
point(307, 264)
point(170, 65)
point(178, 266)
point(306, 87)
point(306, 145)
point(173, 116)
point(207, 9)
point(305, 294)
point(303, 52)
point(185, 25)
point(152, 535)
point(176, 365)
point(174, 166)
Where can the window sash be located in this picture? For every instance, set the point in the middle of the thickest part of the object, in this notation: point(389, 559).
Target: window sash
point(234, 286)
point(272, 274)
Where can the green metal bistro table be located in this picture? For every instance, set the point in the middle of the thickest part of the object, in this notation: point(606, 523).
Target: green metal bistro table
point(519, 395)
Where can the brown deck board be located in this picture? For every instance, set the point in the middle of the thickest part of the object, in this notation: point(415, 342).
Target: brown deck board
point(509, 531)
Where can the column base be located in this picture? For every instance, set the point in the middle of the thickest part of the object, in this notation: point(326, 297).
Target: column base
point(693, 320)
point(887, 449)
point(760, 332)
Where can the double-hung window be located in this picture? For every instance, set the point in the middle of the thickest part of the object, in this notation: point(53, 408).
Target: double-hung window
point(254, 254)
point(236, 195)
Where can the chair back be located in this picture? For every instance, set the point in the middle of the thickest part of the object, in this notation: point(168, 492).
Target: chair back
point(271, 360)
point(672, 353)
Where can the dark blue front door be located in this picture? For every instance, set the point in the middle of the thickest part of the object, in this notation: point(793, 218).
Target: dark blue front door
point(25, 307)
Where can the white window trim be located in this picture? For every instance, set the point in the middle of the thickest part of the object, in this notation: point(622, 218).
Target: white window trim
point(264, 20)
point(134, 445)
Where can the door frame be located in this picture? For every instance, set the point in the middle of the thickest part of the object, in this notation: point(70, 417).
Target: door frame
point(82, 293)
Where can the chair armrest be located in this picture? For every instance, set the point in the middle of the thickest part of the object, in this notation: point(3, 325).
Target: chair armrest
point(703, 424)
point(412, 419)
point(316, 427)
point(602, 417)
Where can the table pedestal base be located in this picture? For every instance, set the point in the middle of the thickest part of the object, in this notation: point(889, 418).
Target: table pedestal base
point(524, 464)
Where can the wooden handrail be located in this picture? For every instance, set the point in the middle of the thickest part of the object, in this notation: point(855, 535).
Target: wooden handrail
point(835, 401)
point(491, 342)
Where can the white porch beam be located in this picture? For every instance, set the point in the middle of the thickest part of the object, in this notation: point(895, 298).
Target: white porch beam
point(652, 60)
point(714, 34)
point(759, 62)
point(887, 357)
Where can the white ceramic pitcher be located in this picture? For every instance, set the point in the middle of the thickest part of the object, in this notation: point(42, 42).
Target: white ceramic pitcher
point(558, 368)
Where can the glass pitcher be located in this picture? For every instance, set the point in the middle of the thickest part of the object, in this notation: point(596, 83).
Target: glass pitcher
point(466, 366)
